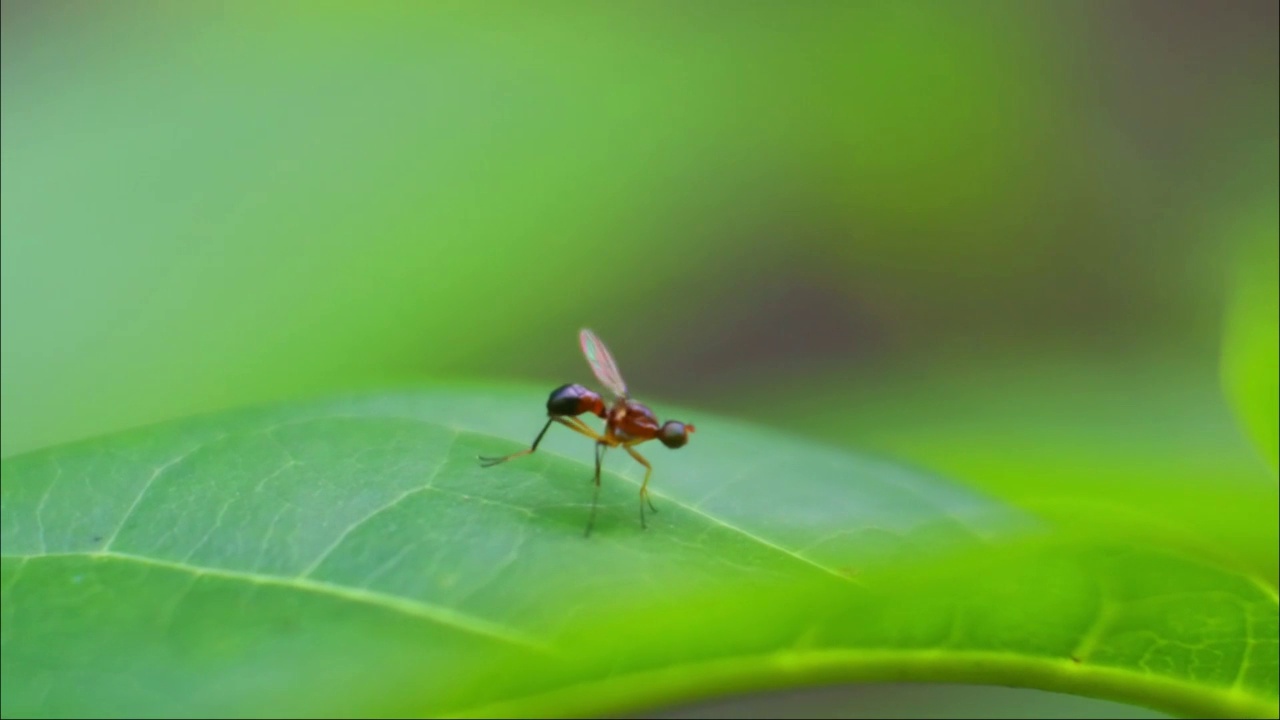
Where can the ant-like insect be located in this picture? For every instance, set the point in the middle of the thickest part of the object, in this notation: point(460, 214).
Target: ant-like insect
point(627, 422)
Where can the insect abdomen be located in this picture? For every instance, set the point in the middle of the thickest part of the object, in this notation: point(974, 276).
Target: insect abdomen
point(574, 399)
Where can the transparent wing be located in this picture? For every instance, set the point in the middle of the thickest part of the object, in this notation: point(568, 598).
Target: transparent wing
point(602, 363)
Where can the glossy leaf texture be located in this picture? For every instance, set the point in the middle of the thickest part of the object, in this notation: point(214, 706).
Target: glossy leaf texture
point(350, 557)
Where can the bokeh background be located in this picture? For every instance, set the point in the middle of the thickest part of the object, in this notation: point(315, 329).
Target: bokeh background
point(995, 239)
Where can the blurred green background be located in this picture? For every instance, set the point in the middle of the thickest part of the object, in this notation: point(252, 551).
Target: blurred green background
point(992, 239)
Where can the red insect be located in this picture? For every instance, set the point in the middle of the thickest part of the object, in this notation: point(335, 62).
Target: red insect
point(627, 422)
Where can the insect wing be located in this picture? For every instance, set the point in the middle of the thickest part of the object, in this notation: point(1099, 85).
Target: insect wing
point(602, 363)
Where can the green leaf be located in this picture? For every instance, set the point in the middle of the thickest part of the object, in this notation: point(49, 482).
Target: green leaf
point(1251, 342)
point(350, 557)
point(1141, 445)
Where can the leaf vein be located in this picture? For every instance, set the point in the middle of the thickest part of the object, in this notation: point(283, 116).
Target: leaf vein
point(57, 473)
point(395, 501)
point(1092, 635)
point(155, 475)
point(717, 521)
point(410, 607)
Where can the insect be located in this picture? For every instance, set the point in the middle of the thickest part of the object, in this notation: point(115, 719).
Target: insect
point(627, 422)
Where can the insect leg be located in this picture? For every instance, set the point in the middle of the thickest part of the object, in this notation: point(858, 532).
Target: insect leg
point(576, 424)
point(644, 487)
point(595, 495)
point(491, 461)
point(572, 423)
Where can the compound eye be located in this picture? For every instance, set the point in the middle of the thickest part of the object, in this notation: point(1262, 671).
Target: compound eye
point(674, 434)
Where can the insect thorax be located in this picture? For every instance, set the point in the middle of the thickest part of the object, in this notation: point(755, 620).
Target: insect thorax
point(630, 420)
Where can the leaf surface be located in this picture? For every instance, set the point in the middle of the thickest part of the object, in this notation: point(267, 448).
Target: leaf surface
point(350, 556)
point(1251, 338)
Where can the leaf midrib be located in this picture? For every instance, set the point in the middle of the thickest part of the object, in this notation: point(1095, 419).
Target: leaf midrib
point(439, 614)
point(1190, 698)
point(408, 606)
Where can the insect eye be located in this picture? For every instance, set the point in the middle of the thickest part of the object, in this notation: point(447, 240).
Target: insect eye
point(673, 434)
